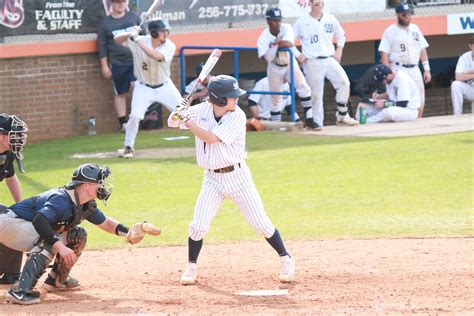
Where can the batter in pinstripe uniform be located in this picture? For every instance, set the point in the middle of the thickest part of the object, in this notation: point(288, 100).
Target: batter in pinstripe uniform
point(152, 56)
point(219, 127)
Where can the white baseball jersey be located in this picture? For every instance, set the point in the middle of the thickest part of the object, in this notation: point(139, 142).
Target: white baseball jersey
point(266, 41)
point(264, 101)
point(317, 35)
point(465, 63)
point(403, 45)
point(463, 90)
point(403, 88)
point(230, 129)
point(237, 184)
point(148, 70)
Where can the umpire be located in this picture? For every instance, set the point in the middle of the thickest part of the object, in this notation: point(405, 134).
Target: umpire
point(12, 139)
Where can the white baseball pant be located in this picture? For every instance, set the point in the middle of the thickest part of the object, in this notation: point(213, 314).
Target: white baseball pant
point(18, 234)
point(390, 114)
point(277, 76)
point(238, 185)
point(459, 91)
point(142, 98)
point(316, 70)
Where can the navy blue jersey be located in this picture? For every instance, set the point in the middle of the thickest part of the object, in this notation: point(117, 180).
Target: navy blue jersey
point(117, 54)
point(55, 205)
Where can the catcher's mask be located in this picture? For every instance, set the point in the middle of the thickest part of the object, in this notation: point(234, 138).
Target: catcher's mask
point(93, 174)
point(156, 26)
point(223, 87)
point(15, 129)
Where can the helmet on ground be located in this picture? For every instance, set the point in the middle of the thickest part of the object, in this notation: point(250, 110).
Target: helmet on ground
point(92, 173)
point(221, 88)
point(15, 129)
point(156, 25)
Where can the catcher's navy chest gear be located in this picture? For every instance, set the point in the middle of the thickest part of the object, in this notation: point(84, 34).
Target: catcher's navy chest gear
point(58, 208)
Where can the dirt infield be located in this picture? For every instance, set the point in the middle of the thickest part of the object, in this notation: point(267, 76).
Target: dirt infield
point(423, 276)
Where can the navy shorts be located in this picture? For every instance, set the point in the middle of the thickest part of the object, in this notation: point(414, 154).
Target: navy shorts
point(122, 76)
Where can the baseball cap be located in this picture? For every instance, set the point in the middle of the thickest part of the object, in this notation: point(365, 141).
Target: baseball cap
point(381, 72)
point(403, 8)
point(273, 14)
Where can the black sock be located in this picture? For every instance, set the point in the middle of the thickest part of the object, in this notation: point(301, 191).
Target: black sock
point(122, 119)
point(342, 109)
point(277, 243)
point(194, 247)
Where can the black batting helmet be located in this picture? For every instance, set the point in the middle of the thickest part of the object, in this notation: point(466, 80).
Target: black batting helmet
point(92, 173)
point(16, 130)
point(156, 25)
point(221, 88)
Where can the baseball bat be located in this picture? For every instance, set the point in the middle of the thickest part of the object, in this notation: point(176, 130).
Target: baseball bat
point(20, 165)
point(206, 70)
point(151, 10)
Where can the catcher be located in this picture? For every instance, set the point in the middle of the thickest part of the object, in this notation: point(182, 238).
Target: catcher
point(46, 226)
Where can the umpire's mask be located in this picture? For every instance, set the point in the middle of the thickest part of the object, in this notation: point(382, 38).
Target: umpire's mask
point(16, 130)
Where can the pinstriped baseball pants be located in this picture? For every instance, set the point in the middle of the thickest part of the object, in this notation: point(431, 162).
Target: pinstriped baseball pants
point(237, 185)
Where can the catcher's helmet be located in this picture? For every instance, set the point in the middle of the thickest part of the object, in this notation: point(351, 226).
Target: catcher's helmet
point(381, 72)
point(16, 130)
point(223, 87)
point(157, 25)
point(93, 174)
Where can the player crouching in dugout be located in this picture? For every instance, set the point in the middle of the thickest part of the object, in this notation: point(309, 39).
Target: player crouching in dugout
point(400, 102)
point(46, 226)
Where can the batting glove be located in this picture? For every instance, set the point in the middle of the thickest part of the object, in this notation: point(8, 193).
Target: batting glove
point(135, 33)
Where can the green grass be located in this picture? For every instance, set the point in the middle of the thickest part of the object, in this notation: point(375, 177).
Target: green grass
point(312, 187)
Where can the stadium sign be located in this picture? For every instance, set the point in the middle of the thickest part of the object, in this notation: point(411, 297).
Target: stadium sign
point(19, 17)
point(461, 23)
point(198, 12)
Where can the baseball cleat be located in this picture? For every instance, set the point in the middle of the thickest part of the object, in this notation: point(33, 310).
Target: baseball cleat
point(71, 284)
point(190, 275)
point(346, 120)
point(127, 152)
point(287, 273)
point(22, 298)
point(311, 125)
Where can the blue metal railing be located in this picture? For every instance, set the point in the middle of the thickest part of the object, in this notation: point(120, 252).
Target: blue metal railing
point(236, 70)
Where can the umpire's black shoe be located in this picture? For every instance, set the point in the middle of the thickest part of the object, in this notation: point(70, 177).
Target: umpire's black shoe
point(22, 298)
point(9, 278)
point(311, 125)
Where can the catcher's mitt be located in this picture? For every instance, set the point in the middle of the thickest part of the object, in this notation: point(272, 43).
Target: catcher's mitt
point(139, 230)
point(254, 124)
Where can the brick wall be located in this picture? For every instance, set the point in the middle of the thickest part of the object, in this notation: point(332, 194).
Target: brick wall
point(56, 95)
